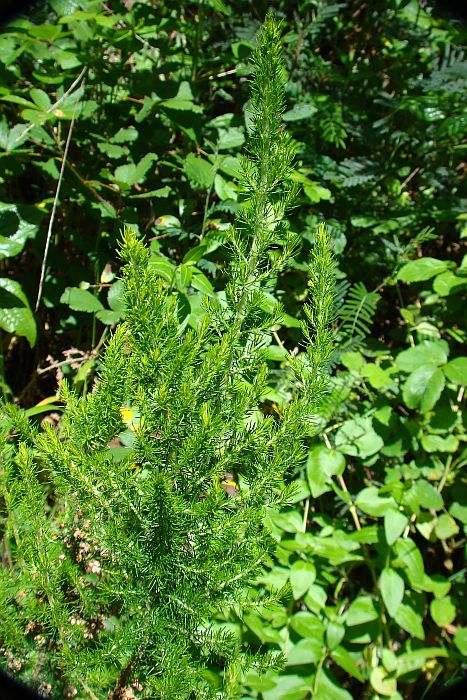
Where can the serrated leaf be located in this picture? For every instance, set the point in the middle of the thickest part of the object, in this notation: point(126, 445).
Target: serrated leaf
point(15, 314)
point(18, 223)
point(199, 171)
point(179, 104)
point(109, 317)
point(40, 99)
point(392, 590)
point(81, 300)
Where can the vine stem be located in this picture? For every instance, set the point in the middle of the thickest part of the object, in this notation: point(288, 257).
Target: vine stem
point(54, 209)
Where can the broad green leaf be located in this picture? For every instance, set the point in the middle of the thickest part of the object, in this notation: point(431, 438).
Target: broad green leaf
point(306, 651)
point(288, 687)
point(35, 116)
point(299, 111)
point(437, 584)
point(195, 254)
point(230, 165)
point(224, 189)
point(230, 138)
point(199, 171)
point(11, 139)
point(18, 223)
point(421, 269)
point(130, 174)
point(316, 192)
point(302, 575)
point(329, 689)
point(15, 313)
point(448, 283)
point(360, 611)
point(460, 640)
point(395, 523)
point(408, 557)
point(427, 496)
point(369, 501)
point(357, 438)
point(456, 370)
point(410, 621)
point(392, 589)
point(382, 683)
point(436, 443)
point(446, 527)
point(459, 511)
point(334, 634)
point(307, 625)
point(413, 660)
point(423, 387)
point(116, 298)
point(354, 361)
point(125, 135)
point(109, 317)
point(200, 282)
point(343, 659)
point(315, 599)
point(179, 104)
point(40, 99)
point(376, 375)
point(443, 611)
point(183, 275)
point(163, 268)
point(322, 464)
point(81, 300)
point(289, 521)
point(434, 352)
point(275, 353)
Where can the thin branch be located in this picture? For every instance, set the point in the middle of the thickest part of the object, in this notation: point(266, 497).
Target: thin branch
point(54, 208)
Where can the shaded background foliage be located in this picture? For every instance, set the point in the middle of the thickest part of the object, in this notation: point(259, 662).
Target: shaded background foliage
point(375, 102)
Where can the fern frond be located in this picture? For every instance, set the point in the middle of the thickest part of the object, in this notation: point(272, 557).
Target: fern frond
point(358, 311)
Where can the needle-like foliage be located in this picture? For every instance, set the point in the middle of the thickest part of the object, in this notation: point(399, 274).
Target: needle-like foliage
point(113, 567)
